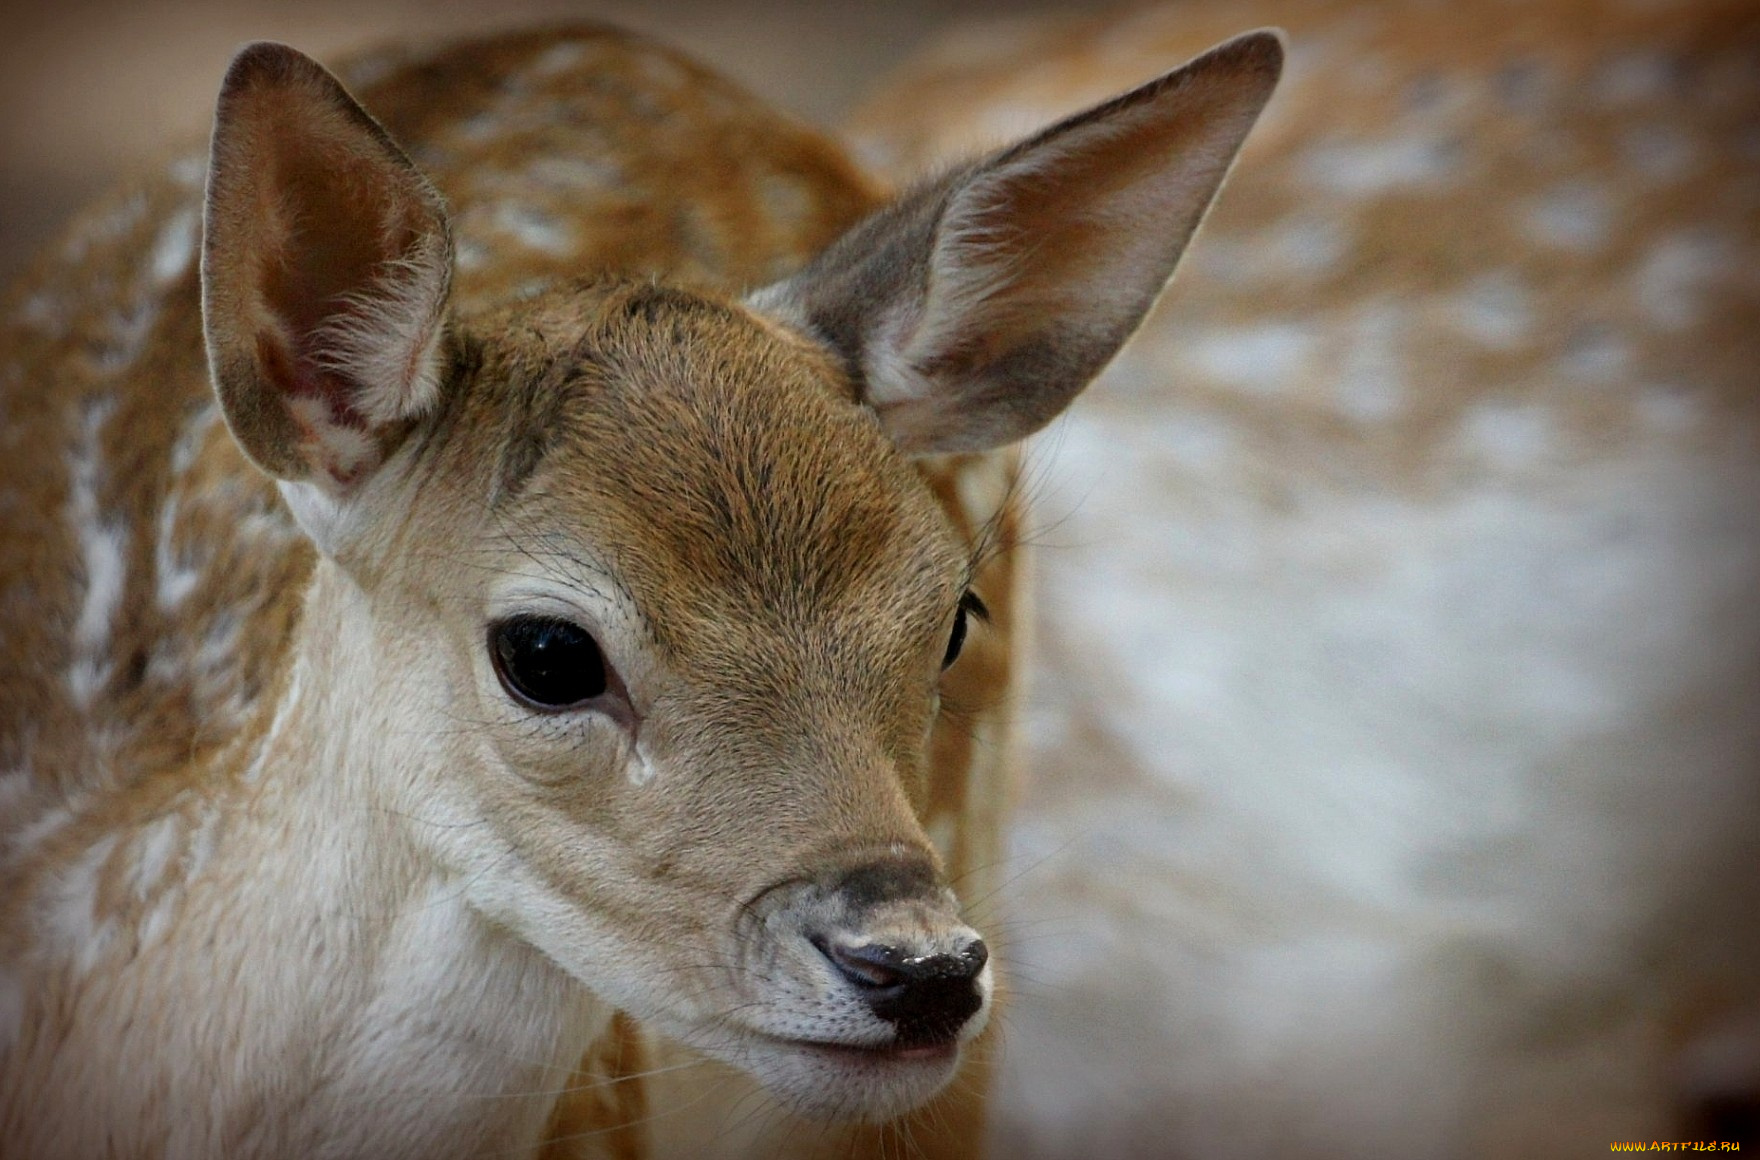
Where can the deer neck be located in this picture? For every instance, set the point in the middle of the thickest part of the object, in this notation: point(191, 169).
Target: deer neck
point(353, 760)
point(375, 985)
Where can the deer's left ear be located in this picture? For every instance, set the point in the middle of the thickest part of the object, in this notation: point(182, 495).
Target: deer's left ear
point(975, 309)
point(326, 265)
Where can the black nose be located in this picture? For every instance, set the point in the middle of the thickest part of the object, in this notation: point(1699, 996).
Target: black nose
point(928, 998)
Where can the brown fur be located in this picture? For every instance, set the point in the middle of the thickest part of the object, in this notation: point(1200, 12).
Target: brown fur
point(1507, 262)
point(585, 400)
point(759, 197)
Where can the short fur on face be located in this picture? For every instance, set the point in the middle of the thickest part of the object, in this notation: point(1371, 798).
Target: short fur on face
point(297, 762)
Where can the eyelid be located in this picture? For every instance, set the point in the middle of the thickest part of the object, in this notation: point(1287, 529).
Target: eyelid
point(974, 604)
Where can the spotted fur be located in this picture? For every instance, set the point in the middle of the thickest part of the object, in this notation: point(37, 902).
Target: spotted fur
point(1395, 759)
point(560, 328)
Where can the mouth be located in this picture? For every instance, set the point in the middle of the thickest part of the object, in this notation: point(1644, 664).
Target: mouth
point(830, 1079)
point(882, 1053)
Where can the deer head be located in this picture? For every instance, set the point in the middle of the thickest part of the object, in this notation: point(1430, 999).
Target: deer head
point(631, 592)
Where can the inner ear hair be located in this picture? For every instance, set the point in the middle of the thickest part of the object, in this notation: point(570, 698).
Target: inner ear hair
point(326, 272)
point(974, 309)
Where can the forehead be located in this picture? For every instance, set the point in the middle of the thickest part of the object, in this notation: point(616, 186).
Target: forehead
point(721, 463)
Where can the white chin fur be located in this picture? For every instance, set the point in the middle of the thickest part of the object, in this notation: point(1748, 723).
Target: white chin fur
point(833, 1084)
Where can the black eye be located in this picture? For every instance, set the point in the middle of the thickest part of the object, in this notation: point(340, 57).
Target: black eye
point(547, 662)
point(969, 604)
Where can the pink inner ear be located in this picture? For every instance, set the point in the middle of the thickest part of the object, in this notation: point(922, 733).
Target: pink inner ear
point(326, 268)
point(335, 438)
point(341, 239)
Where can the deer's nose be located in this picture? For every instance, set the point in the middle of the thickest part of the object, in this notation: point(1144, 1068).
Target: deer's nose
point(927, 997)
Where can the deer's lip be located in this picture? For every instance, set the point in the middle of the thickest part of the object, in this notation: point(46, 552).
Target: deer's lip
point(876, 1052)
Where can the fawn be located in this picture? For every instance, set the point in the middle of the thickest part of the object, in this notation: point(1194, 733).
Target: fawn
point(1395, 754)
point(540, 649)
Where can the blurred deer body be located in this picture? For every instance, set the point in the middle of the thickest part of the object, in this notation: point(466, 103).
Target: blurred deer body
point(1410, 629)
point(503, 713)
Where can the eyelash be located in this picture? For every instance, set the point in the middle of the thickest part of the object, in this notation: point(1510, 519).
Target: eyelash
point(970, 604)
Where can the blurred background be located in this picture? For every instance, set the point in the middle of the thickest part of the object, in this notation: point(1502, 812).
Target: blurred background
point(91, 87)
point(1393, 763)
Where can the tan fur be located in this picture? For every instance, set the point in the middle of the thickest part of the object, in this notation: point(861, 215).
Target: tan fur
point(284, 870)
point(1395, 791)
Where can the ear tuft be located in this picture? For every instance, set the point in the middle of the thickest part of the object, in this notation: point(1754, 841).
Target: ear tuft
point(326, 269)
point(976, 308)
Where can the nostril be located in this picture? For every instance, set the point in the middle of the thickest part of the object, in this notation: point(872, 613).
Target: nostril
point(868, 965)
point(972, 958)
point(877, 965)
point(927, 998)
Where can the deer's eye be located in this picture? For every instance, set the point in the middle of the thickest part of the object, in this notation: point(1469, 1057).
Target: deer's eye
point(969, 605)
point(547, 662)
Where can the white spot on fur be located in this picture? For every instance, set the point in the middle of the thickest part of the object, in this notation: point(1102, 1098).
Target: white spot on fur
point(175, 578)
point(189, 171)
point(219, 649)
point(1371, 384)
point(161, 860)
point(471, 254)
point(126, 334)
point(1495, 309)
point(202, 843)
point(1201, 444)
point(156, 845)
point(485, 126)
point(1669, 282)
point(1294, 248)
point(1366, 168)
point(1507, 435)
point(42, 311)
point(535, 229)
point(70, 906)
point(212, 673)
point(1308, 246)
point(157, 920)
point(102, 547)
point(1265, 359)
point(1574, 216)
point(283, 711)
point(574, 174)
point(558, 58)
point(175, 246)
point(46, 825)
point(113, 225)
point(192, 437)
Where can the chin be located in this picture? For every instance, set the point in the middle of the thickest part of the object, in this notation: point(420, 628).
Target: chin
point(833, 1081)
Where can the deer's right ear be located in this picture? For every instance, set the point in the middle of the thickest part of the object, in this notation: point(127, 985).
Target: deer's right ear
point(326, 266)
point(973, 310)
